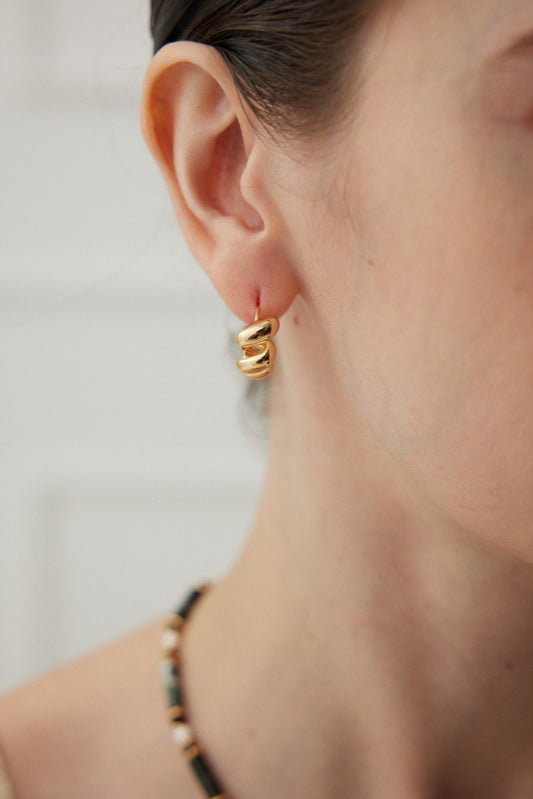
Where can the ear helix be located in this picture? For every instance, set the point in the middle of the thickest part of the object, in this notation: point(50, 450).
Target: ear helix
point(259, 351)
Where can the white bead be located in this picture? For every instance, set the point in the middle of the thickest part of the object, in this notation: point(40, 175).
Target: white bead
point(170, 640)
point(164, 673)
point(182, 734)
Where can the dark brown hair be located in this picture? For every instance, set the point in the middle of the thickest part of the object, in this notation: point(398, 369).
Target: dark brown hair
point(289, 58)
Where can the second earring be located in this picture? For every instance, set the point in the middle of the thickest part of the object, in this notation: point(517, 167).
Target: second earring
point(259, 351)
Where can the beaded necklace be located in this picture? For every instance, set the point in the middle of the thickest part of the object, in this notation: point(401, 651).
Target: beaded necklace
point(170, 673)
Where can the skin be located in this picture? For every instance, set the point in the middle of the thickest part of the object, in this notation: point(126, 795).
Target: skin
point(384, 647)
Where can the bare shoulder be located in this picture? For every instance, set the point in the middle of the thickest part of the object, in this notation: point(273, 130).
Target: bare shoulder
point(95, 728)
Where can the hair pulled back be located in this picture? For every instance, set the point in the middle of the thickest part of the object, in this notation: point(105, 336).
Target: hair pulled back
point(289, 58)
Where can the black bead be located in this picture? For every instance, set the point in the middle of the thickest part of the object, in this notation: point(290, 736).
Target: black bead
point(189, 603)
point(205, 776)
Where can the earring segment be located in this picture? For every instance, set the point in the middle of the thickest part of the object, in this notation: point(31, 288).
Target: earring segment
point(259, 351)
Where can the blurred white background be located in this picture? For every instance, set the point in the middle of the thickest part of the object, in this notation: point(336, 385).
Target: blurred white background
point(126, 471)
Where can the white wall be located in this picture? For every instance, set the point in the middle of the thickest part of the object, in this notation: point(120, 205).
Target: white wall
point(125, 471)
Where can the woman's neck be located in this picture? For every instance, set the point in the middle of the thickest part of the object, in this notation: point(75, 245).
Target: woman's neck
point(362, 645)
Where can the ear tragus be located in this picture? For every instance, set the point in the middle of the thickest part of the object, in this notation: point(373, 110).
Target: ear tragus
point(227, 168)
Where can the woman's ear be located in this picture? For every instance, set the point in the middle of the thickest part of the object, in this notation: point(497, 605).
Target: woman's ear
point(208, 147)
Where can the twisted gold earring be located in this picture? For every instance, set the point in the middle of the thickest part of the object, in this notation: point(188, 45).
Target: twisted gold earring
point(259, 351)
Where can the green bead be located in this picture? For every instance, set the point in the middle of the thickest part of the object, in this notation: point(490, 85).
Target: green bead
point(175, 697)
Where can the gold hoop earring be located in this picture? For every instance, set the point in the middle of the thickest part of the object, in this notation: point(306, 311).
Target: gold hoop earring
point(259, 351)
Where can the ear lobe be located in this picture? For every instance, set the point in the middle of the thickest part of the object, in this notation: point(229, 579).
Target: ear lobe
point(200, 134)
